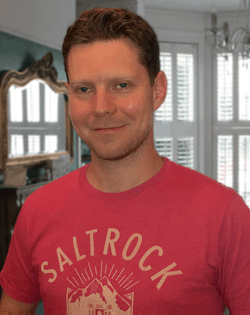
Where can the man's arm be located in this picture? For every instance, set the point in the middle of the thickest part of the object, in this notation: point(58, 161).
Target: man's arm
point(9, 306)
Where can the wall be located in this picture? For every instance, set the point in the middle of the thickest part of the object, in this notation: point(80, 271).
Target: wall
point(17, 53)
point(43, 22)
point(136, 6)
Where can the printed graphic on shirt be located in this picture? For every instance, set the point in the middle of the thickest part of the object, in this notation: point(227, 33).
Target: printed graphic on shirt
point(102, 287)
point(97, 295)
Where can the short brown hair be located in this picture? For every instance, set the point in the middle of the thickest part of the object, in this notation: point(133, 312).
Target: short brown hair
point(111, 24)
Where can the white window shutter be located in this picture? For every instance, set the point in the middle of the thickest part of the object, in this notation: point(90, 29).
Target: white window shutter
point(165, 147)
point(16, 104)
point(185, 87)
point(34, 146)
point(225, 160)
point(16, 146)
point(51, 104)
point(175, 125)
point(36, 121)
point(186, 151)
point(244, 167)
point(225, 87)
point(165, 112)
point(244, 91)
point(33, 101)
point(232, 124)
point(51, 143)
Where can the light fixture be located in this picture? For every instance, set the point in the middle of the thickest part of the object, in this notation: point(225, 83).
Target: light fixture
point(238, 42)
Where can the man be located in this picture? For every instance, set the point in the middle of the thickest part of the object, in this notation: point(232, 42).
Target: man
point(130, 233)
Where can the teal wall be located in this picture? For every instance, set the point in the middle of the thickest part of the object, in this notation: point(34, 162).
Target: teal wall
point(17, 54)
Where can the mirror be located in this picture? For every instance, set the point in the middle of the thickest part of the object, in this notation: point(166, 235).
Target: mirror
point(35, 125)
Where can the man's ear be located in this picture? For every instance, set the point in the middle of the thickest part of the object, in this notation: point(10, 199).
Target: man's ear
point(160, 89)
point(67, 86)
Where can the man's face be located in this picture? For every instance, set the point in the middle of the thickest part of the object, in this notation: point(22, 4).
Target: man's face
point(108, 88)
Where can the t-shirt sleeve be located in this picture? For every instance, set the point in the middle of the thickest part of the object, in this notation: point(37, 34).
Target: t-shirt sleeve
point(18, 278)
point(234, 258)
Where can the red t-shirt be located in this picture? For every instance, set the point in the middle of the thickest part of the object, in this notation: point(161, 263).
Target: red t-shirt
point(177, 244)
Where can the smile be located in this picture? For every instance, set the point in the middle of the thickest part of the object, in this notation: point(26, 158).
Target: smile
point(111, 130)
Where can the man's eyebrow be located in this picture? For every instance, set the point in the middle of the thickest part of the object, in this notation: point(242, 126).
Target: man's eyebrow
point(89, 81)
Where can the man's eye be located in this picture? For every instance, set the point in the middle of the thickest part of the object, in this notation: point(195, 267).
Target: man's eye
point(83, 89)
point(123, 85)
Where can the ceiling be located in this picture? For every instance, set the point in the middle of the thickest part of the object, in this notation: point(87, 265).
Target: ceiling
point(197, 5)
point(190, 5)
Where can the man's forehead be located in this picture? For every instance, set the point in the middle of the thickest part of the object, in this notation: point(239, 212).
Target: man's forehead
point(128, 42)
point(83, 66)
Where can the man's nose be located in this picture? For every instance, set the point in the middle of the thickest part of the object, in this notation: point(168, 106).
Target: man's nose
point(103, 103)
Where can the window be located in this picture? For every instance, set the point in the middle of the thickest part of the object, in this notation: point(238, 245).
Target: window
point(16, 145)
point(232, 123)
point(51, 144)
point(33, 101)
point(16, 104)
point(35, 122)
point(175, 122)
point(34, 144)
point(51, 105)
point(225, 160)
point(244, 168)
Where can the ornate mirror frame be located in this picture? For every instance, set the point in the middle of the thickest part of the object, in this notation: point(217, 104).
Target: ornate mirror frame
point(43, 70)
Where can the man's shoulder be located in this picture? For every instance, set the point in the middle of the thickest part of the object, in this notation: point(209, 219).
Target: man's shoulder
point(50, 202)
point(58, 187)
point(194, 182)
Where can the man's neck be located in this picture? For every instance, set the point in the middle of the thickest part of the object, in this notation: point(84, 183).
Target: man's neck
point(118, 176)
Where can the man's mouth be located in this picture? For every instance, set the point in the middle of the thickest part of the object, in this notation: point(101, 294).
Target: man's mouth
point(108, 130)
